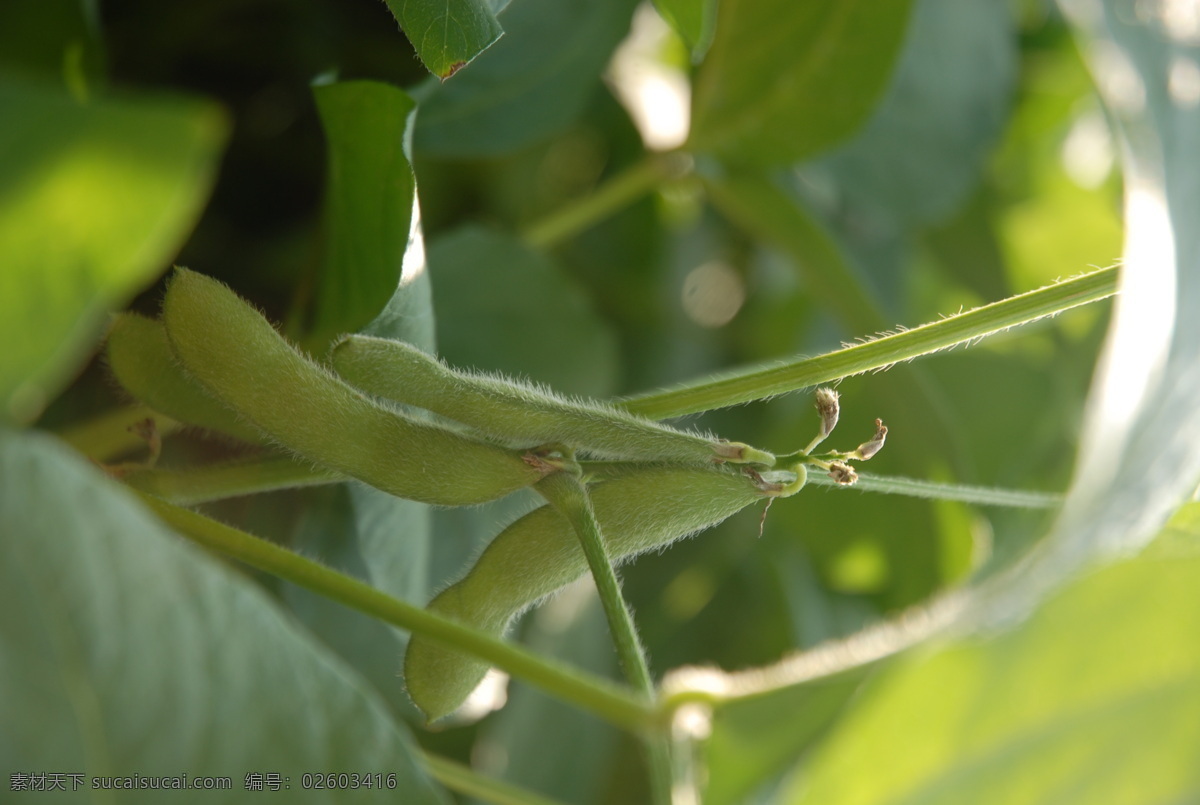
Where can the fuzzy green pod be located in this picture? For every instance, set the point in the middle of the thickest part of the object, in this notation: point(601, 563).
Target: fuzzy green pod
point(520, 414)
point(140, 358)
point(537, 555)
point(237, 355)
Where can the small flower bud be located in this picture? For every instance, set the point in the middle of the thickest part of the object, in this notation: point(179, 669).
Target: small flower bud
point(868, 449)
point(842, 472)
point(827, 407)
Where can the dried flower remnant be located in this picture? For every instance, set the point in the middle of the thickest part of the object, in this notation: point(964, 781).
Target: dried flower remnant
point(834, 462)
point(868, 449)
point(842, 473)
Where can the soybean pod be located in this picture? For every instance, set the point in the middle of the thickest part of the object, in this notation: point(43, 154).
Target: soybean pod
point(538, 554)
point(235, 353)
point(519, 414)
point(139, 357)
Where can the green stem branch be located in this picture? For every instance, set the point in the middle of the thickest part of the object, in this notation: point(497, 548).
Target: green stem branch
point(931, 490)
point(589, 693)
point(463, 780)
point(567, 494)
point(107, 436)
point(613, 195)
point(880, 353)
point(188, 487)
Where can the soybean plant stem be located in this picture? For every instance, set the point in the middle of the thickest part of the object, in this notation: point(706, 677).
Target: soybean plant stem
point(108, 435)
point(567, 493)
point(588, 692)
point(616, 193)
point(463, 780)
point(187, 487)
point(879, 353)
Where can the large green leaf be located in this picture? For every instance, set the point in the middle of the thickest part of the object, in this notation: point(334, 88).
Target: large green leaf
point(532, 84)
point(447, 34)
point(95, 198)
point(1095, 699)
point(369, 203)
point(785, 80)
point(125, 651)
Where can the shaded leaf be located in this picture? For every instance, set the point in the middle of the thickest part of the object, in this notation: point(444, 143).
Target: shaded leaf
point(447, 34)
point(504, 307)
point(532, 84)
point(94, 200)
point(923, 148)
point(369, 203)
point(783, 81)
point(141, 655)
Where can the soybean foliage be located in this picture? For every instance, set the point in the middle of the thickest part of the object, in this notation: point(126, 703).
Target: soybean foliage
point(700, 401)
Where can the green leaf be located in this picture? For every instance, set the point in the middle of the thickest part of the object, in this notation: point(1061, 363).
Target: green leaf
point(447, 34)
point(532, 84)
point(1095, 699)
point(369, 204)
point(785, 80)
point(694, 21)
point(129, 652)
point(504, 307)
point(97, 198)
point(924, 147)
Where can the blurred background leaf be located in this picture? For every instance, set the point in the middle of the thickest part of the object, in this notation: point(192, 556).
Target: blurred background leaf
point(1093, 699)
point(95, 199)
point(694, 21)
point(783, 81)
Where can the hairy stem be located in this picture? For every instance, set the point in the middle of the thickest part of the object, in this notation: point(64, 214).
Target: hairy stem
point(610, 197)
point(743, 386)
point(915, 488)
point(568, 495)
point(589, 693)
